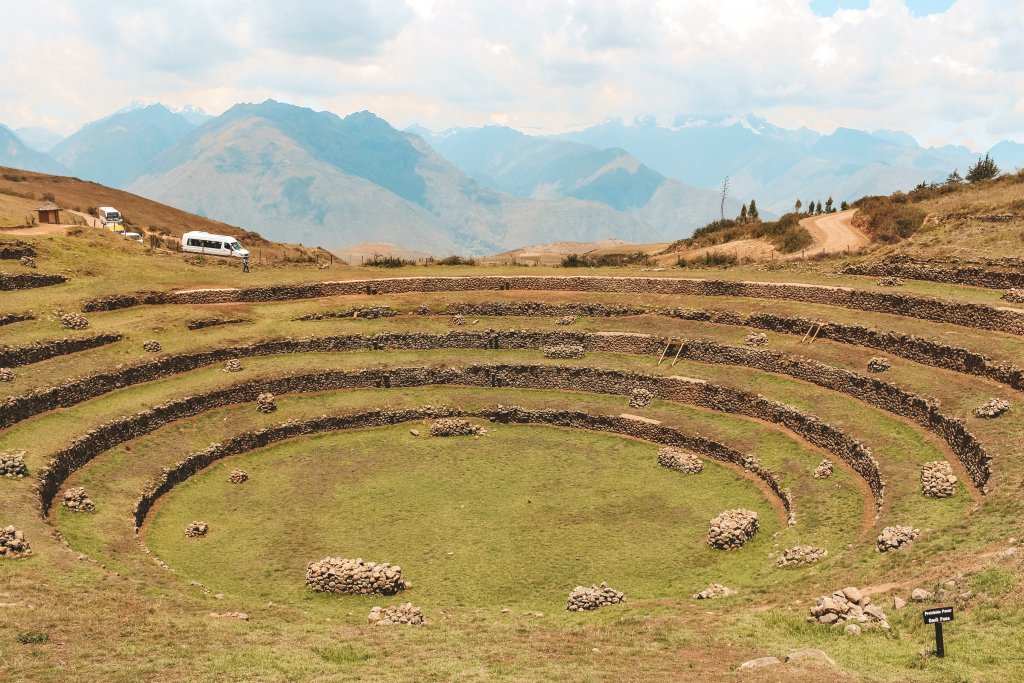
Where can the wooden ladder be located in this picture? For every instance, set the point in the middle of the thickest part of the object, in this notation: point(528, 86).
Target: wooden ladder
point(669, 343)
point(816, 329)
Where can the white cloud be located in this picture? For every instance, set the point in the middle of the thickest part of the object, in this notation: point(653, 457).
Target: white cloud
point(537, 64)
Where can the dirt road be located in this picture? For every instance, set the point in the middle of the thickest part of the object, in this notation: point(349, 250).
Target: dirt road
point(832, 233)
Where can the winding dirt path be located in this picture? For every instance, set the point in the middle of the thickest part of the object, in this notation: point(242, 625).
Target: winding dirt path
point(832, 233)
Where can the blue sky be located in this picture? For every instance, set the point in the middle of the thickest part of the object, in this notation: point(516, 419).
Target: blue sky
point(944, 71)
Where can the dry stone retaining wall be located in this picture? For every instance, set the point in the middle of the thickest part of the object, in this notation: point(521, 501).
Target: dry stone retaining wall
point(16, 249)
point(24, 354)
point(10, 282)
point(202, 323)
point(563, 351)
point(914, 269)
point(10, 318)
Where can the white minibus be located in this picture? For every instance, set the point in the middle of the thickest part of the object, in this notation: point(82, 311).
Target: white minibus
point(212, 245)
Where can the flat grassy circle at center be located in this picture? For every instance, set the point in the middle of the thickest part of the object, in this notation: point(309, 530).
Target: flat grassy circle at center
point(517, 517)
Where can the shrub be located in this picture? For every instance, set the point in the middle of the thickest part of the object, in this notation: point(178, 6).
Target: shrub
point(709, 260)
point(32, 638)
point(890, 219)
point(380, 261)
point(453, 261)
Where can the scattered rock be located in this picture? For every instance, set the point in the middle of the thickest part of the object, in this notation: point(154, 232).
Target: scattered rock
point(680, 461)
point(196, 529)
point(756, 339)
point(563, 351)
point(825, 469)
point(265, 403)
point(238, 476)
point(241, 616)
point(399, 614)
point(76, 500)
point(414, 432)
point(233, 365)
point(890, 282)
point(583, 599)
point(879, 364)
point(354, 577)
point(937, 479)
point(13, 543)
point(458, 320)
point(920, 595)
point(851, 630)
point(849, 605)
point(640, 397)
point(895, 537)
point(731, 529)
point(152, 345)
point(74, 321)
point(1014, 295)
point(13, 465)
point(714, 590)
point(423, 310)
point(566, 320)
point(801, 555)
point(992, 409)
point(898, 602)
point(6, 375)
point(759, 663)
point(453, 426)
point(28, 261)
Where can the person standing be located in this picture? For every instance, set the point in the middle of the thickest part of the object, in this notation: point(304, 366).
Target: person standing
point(245, 264)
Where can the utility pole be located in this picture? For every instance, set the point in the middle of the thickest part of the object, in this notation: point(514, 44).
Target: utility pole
point(725, 191)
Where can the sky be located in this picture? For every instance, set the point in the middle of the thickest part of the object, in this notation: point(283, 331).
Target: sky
point(944, 71)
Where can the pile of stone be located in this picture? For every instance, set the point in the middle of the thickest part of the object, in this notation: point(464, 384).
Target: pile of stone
point(756, 339)
point(196, 529)
point(74, 321)
point(13, 465)
point(583, 599)
point(152, 345)
point(13, 543)
point(731, 529)
point(680, 461)
point(28, 261)
point(714, 590)
point(6, 375)
point(454, 426)
point(825, 469)
point(640, 397)
point(458, 320)
point(233, 365)
point(238, 476)
point(354, 577)
point(265, 403)
point(566, 320)
point(373, 312)
point(76, 500)
point(1014, 295)
point(850, 607)
point(879, 364)
point(890, 282)
point(423, 310)
point(993, 408)
point(801, 556)
point(399, 614)
point(895, 537)
point(937, 479)
point(563, 351)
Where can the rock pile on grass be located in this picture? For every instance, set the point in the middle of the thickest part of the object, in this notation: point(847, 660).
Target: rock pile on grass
point(937, 479)
point(992, 409)
point(458, 320)
point(265, 403)
point(714, 590)
point(28, 261)
point(848, 606)
point(801, 556)
point(423, 310)
point(74, 321)
point(373, 311)
point(233, 365)
point(879, 364)
point(76, 500)
point(238, 476)
point(454, 426)
point(1015, 295)
point(640, 397)
point(563, 351)
point(196, 529)
point(13, 543)
point(399, 614)
point(825, 469)
point(13, 465)
point(890, 282)
point(583, 599)
point(731, 529)
point(680, 461)
point(354, 577)
point(6, 375)
point(895, 537)
point(756, 339)
point(566, 320)
point(152, 345)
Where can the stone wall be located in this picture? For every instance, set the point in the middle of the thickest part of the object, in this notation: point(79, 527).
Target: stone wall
point(9, 318)
point(914, 269)
point(23, 354)
point(17, 281)
point(16, 249)
point(202, 323)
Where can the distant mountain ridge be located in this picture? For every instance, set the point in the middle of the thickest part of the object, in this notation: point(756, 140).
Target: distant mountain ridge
point(16, 154)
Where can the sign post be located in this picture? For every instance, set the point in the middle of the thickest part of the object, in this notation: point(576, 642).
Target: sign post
point(938, 616)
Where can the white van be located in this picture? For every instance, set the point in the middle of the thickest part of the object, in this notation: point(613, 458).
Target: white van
point(212, 245)
point(108, 215)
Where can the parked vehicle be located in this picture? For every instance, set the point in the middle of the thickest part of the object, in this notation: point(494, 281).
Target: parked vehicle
point(108, 215)
point(133, 236)
point(212, 245)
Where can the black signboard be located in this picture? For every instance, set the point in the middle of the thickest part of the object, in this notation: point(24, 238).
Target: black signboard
point(939, 615)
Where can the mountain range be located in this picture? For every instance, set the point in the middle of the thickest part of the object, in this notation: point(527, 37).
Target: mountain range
point(297, 175)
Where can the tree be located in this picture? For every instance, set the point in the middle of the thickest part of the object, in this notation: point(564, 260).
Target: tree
point(796, 207)
point(954, 178)
point(743, 214)
point(828, 205)
point(844, 206)
point(985, 169)
point(752, 213)
point(818, 210)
